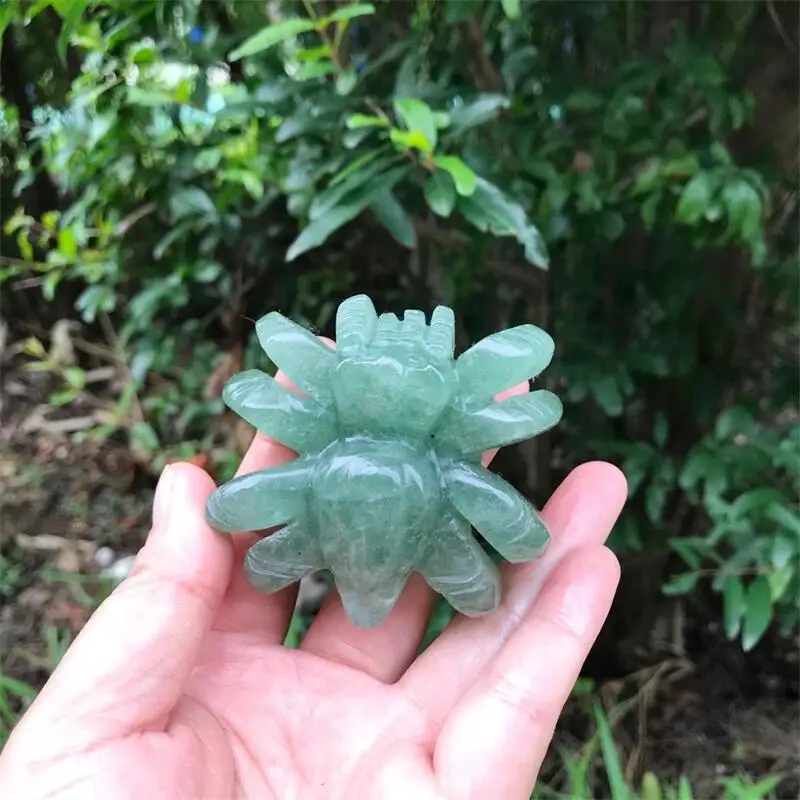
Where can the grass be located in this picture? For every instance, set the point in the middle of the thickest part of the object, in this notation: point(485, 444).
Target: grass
point(599, 761)
point(15, 697)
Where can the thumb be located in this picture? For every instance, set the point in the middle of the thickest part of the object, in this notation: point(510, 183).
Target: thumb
point(127, 668)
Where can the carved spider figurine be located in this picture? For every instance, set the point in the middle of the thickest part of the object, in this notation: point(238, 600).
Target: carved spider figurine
point(389, 430)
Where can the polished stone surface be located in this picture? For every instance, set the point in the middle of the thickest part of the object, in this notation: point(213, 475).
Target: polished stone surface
point(389, 430)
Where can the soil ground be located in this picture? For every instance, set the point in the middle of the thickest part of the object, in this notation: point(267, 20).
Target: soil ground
point(701, 709)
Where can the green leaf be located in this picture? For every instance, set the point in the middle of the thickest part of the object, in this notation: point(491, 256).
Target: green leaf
point(488, 209)
point(758, 612)
point(191, 201)
point(63, 396)
point(732, 605)
point(743, 204)
point(410, 140)
point(67, 245)
point(464, 178)
point(681, 584)
point(93, 299)
point(354, 166)
point(355, 121)
point(651, 787)
point(684, 789)
point(345, 82)
point(70, 12)
point(313, 53)
point(511, 8)
point(206, 271)
point(660, 429)
point(780, 580)
point(338, 190)
point(695, 198)
point(486, 107)
point(394, 218)
point(783, 549)
point(606, 391)
point(335, 216)
point(173, 236)
point(418, 117)
point(143, 436)
point(649, 211)
point(8, 12)
point(293, 126)
point(584, 100)
point(350, 12)
point(755, 500)
point(75, 377)
point(611, 759)
point(440, 193)
point(314, 69)
point(270, 36)
point(149, 98)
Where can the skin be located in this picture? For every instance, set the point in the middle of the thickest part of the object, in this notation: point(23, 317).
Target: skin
point(179, 686)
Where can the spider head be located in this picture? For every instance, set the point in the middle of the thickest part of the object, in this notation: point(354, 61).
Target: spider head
point(397, 376)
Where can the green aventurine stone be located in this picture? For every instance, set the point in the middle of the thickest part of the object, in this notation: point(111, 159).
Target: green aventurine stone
point(389, 429)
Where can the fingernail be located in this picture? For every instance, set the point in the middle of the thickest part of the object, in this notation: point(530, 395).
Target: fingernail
point(162, 501)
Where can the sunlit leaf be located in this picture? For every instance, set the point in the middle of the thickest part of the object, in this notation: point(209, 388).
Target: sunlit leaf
point(270, 36)
point(410, 140)
point(511, 8)
point(744, 208)
point(350, 12)
point(464, 178)
point(70, 12)
point(418, 117)
point(355, 121)
point(695, 198)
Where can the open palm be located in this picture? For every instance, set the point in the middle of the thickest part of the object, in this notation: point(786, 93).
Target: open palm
point(179, 686)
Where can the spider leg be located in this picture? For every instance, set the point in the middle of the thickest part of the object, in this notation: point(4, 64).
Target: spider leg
point(261, 499)
point(355, 322)
point(368, 607)
point(457, 567)
point(503, 360)
point(282, 558)
point(475, 430)
point(498, 511)
point(302, 356)
point(441, 333)
point(301, 423)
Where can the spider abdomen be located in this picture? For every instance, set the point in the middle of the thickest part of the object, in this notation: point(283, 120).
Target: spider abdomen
point(374, 504)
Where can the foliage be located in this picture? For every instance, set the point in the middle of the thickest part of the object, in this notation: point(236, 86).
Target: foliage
point(601, 750)
point(14, 695)
point(187, 166)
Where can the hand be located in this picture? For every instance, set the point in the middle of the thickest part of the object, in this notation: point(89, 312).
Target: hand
point(179, 686)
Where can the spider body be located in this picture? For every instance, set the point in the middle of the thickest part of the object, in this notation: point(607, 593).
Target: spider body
point(389, 431)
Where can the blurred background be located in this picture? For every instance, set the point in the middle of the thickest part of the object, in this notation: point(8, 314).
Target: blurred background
point(622, 174)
